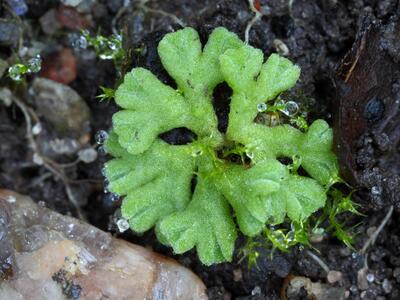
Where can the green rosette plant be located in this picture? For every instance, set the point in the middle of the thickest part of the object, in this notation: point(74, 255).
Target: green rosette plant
point(156, 178)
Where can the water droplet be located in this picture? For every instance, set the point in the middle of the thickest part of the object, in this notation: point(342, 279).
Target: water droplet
point(280, 104)
point(290, 236)
point(353, 289)
point(101, 136)
point(370, 277)
point(110, 199)
point(261, 107)
point(291, 108)
point(37, 128)
point(102, 151)
point(250, 154)
point(106, 55)
point(375, 190)
point(16, 71)
point(318, 231)
point(197, 152)
point(35, 64)
point(256, 291)
point(112, 46)
point(123, 225)
point(106, 185)
point(81, 42)
point(70, 228)
point(387, 286)
point(37, 159)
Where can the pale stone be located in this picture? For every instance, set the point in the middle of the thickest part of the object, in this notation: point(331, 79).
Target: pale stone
point(73, 260)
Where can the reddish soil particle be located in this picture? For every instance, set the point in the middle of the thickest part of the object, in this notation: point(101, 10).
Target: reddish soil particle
point(70, 18)
point(60, 66)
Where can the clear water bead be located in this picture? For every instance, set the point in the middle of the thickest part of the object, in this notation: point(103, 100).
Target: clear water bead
point(101, 136)
point(37, 159)
point(261, 107)
point(81, 42)
point(35, 64)
point(370, 277)
point(105, 188)
point(110, 200)
point(112, 46)
point(106, 55)
point(291, 108)
point(103, 172)
point(250, 154)
point(15, 72)
point(197, 152)
point(102, 151)
point(290, 236)
point(123, 225)
point(375, 190)
point(256, 291)
point(37, 128)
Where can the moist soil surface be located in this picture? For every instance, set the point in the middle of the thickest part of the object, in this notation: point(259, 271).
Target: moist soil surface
point(348, 52)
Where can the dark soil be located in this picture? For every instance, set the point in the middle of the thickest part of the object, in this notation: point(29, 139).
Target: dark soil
point(359, 94)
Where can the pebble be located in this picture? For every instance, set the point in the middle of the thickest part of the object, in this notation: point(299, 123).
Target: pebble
point(9, 33)
point(85, 6)
point(396, 274)
point(59, 257)
point(237, 275)
point(345, 251)
point(371, 230)
point(73, 3)
point(61, 106)
point(114, 5)
point(87, 155)
point(6, 96)
point(334, 276)
point(70, 18)
point(280, 47)
point(362, 281)
point(18, 6)
point(387, 286)
point(60, 66)
point(49, 22)
point(66, 146)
